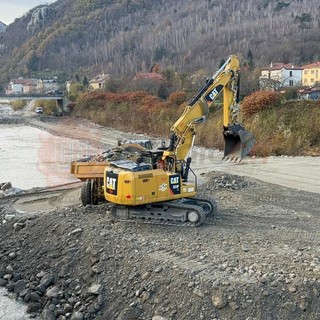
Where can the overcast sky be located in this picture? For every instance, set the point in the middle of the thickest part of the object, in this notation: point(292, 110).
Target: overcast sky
point(11, 9)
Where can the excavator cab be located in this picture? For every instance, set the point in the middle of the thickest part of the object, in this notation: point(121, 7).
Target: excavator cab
point(238, 142)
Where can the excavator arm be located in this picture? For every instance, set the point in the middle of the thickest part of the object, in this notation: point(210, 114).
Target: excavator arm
point(237, 139)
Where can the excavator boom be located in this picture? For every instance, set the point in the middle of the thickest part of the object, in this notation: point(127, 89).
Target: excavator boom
point(238, 141)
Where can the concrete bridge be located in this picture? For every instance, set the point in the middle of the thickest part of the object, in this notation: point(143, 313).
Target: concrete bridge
point(60, 99)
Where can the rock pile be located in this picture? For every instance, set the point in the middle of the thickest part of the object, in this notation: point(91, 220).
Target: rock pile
point(6, 189)
point(218, 180)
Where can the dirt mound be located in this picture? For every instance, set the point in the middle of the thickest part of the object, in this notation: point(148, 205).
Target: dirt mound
point(256, 258)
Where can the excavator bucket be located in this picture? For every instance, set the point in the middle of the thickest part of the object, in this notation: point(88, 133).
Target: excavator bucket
point(238, 142)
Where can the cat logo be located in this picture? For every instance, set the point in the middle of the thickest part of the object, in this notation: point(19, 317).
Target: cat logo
point(111, 183)
point(174, 184)
point(174, 180)
point(214, 93)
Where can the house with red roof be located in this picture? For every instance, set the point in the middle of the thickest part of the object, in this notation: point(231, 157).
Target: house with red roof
point(280, 75)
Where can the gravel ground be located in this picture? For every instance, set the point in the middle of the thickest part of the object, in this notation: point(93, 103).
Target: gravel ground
point(256, 258)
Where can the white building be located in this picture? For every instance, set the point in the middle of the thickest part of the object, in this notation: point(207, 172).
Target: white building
point(47, 85)
point(280, 75)
point(21, 86)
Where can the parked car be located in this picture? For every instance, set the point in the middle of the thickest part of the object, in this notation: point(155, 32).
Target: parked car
point(38, 110)
point(54, 93)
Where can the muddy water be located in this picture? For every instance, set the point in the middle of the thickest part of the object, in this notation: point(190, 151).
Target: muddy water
point(31, 157)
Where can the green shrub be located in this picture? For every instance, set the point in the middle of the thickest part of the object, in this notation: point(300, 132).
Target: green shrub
point(18, 104)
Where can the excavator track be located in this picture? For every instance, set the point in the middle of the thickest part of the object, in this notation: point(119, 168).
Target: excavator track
point(208, 205)
point(165, 213)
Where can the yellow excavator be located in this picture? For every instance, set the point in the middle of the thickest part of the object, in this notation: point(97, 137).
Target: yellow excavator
point(156, 187)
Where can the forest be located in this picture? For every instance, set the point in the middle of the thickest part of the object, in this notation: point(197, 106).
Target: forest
point(122, 37)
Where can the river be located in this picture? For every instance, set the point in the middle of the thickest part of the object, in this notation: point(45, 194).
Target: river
point(35, 158)
point(11, 309)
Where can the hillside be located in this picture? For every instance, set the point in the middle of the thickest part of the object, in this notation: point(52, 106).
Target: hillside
point(290, 128)
point(123, 37)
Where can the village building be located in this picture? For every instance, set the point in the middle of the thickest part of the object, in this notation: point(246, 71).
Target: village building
point(280, 75)
point(311, 74)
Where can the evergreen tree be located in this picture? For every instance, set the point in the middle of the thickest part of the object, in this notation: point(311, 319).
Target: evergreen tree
point(85, 82)
point(250, 60)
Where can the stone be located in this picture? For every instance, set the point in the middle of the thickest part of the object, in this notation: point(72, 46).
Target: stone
point(3, 282)
point(6, 186)
point(219, 301)
point(46, 280)
point(53, 292)
point(12, 255)
point(76, 231)
point(290, 306)
point(48, 315)
point(292, 289)
point(19, 286)
point(18, 226)
point(33, 307)
point(145, 296)
point(158, 270)
point(95, 289)
point(9, 217)
point(146, 275)
point(304, 304)
point(234, 305)
point(77, 316)
point(23, 293)
point(67, 308)
point(16, 277)
point(245, 247)
point(34, 297)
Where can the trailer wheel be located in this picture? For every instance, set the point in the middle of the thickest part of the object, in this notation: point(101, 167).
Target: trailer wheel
point(86, 198)
point(94, 191)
